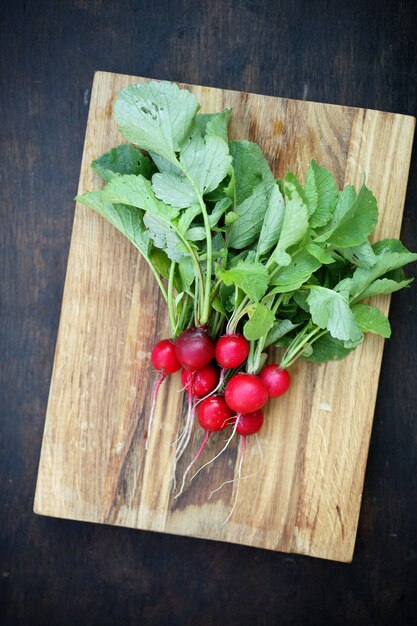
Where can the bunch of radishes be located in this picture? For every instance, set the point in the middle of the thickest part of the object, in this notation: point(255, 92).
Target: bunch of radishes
point(245, 262)
point(223, 395)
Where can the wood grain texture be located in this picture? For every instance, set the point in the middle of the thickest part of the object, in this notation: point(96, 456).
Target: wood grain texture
point(306, 498)
point(55, 571)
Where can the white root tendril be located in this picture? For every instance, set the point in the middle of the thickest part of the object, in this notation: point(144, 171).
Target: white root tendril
point(186, 433)
point(232, 480)
point(199, 451)
point(238, 479)
point(221, 451)
point(184, 437)
point(153, 405)
point(179, 436)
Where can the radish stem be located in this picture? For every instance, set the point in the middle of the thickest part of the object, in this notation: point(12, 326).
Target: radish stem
point(170, 301)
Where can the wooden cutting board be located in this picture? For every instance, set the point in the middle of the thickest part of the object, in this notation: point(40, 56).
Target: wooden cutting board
point(94, 466)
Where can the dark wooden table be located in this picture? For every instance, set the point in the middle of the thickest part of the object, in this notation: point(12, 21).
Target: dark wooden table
point(60, 572)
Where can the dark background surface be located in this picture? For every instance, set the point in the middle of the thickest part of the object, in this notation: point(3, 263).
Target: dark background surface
point(61, 572)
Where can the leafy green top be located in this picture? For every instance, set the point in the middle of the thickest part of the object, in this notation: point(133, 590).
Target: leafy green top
point(231, 246)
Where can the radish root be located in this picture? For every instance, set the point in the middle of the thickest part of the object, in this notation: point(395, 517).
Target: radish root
point(153, 405)
point(238, 479)
point(195, 459)
point(219, 453)
point(185, 435)
point(232, 480)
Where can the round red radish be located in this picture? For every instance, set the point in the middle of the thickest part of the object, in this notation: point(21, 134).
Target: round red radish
point(232, 350)
point(245, 393)
point(249, 423)
point(214, 414)
point(275, 380)
point(194, 349)
point(163, 357)
point(202, 381)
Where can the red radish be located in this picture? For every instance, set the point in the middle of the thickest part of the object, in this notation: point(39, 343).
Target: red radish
point(163, 357)
point(249, 423)
point(194, 349)
point(232, 350)
point(198, 384)
point(275, 380)
point(245, 393)
point(213, 415)
point(202, 381)
point(165, 362)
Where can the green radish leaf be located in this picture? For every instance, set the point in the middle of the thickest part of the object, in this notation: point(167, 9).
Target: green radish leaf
point(230, 218)
point(300, 297)
point(250, 169)
point(187, 274)
point(383, 286)
point(174, 189)
point(123, 160)
point(178, 298)
point(250, 218)
point(308, 351)
point(136, 191)
point(361, 256)
point(272, 223)
point(295, 224)
point(388, 245)
point(164, 236)
point(218, 243)
point(370, 319)
point(226, 294)
point(214, 124)
point(286, 288)
point(354, 218)
point(320, 253)
point(187, 217)
point(218, 306)
point(251, 277)
point(245, 255)
point(259, 324)
point(327, 348)
point(280, 328)
point(197, 233)
point(330, 310)
point(345, 202)
point(219, 209)
point(255, 195)
point(302, 266)
point(166, 166)
point(156, 116)
point(363, 278)
point(284, 342)
point(161, 262)
point(321, 194)
point(206, 162)
point(127, 219)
